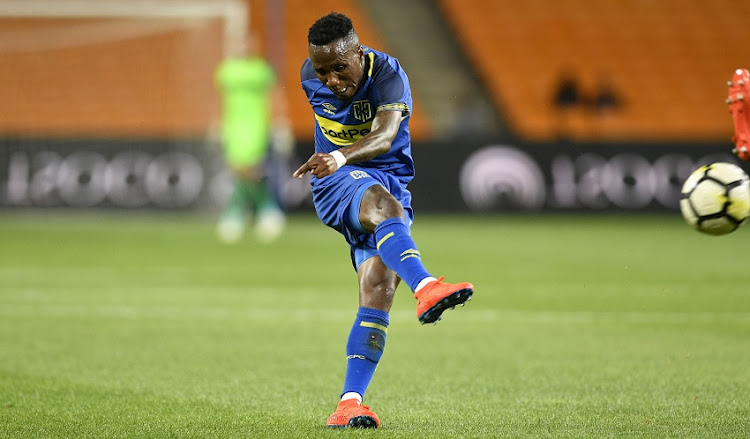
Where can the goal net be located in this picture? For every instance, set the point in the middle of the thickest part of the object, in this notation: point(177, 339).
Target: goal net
point(122, 72)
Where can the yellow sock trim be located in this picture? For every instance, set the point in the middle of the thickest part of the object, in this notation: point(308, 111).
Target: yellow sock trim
point(374, 325)
point(383, 240)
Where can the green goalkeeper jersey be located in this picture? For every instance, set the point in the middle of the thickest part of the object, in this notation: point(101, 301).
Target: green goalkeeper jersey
point(245, 85)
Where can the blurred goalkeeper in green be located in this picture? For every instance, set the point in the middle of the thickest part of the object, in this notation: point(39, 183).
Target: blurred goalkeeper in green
point(251, 103)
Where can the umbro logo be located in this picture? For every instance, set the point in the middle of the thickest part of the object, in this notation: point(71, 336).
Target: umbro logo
point(328, 108)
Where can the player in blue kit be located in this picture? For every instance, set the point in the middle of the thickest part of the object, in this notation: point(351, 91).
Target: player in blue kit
point(360, 170)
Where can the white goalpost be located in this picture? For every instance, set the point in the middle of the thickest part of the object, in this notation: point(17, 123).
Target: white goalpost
point(234, 13)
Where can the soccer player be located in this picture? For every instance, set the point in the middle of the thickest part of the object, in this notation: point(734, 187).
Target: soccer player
point(247, 84)
point(360, 169)
point(739, 108)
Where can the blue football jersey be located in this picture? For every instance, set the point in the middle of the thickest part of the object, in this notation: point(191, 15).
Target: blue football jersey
point(339, 124)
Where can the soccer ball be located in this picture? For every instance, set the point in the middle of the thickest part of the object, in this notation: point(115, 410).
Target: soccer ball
point(716, 198)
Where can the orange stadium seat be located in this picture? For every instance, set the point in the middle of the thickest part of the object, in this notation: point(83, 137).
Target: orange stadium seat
point(61, 76)
point(668, 60)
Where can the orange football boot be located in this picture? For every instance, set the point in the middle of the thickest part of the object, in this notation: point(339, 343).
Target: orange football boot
point(739, 108)
point(350, 413)
point(438, 296)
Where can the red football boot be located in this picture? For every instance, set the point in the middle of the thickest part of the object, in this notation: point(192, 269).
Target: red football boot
point(739, 108)
point(350, 413)
point(438, 296)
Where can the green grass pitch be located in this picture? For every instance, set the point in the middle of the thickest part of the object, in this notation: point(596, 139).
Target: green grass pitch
point(580, 327)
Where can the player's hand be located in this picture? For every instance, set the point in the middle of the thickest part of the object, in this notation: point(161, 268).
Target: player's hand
point(319, 164)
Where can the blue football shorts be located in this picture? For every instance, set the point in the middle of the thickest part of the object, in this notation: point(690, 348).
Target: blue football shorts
point(338, 198)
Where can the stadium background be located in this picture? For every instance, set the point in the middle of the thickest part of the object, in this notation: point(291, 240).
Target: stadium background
point(110, 104)
point(123, 316)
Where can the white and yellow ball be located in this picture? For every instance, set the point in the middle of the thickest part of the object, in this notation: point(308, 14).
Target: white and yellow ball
point(716, 198)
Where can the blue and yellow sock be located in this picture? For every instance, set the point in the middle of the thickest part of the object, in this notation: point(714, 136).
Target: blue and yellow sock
point(399, 252)
point(364, 348)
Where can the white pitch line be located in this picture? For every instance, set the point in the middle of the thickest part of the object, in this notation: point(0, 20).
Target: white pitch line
point(23, 310)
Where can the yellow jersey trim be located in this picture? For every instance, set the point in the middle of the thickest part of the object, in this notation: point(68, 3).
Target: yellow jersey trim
point(398, 106)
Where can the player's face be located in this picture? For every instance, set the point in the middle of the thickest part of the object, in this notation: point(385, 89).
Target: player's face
point(338, 67)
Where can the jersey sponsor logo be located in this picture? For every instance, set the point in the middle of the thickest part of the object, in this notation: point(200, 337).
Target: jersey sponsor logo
point(340, 134)
point(362, 110)
point(328, 108)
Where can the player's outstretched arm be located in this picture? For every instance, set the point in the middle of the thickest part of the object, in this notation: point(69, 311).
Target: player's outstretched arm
point(378, 141)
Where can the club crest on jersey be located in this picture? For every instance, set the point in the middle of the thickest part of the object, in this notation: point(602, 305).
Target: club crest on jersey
point(328, 108)
point(362, 110)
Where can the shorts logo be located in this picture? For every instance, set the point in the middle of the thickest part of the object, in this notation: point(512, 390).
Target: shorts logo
point(362, 110)
point(359, 174)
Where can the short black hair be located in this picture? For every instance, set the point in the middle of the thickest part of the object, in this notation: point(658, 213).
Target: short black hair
point(329, 28)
